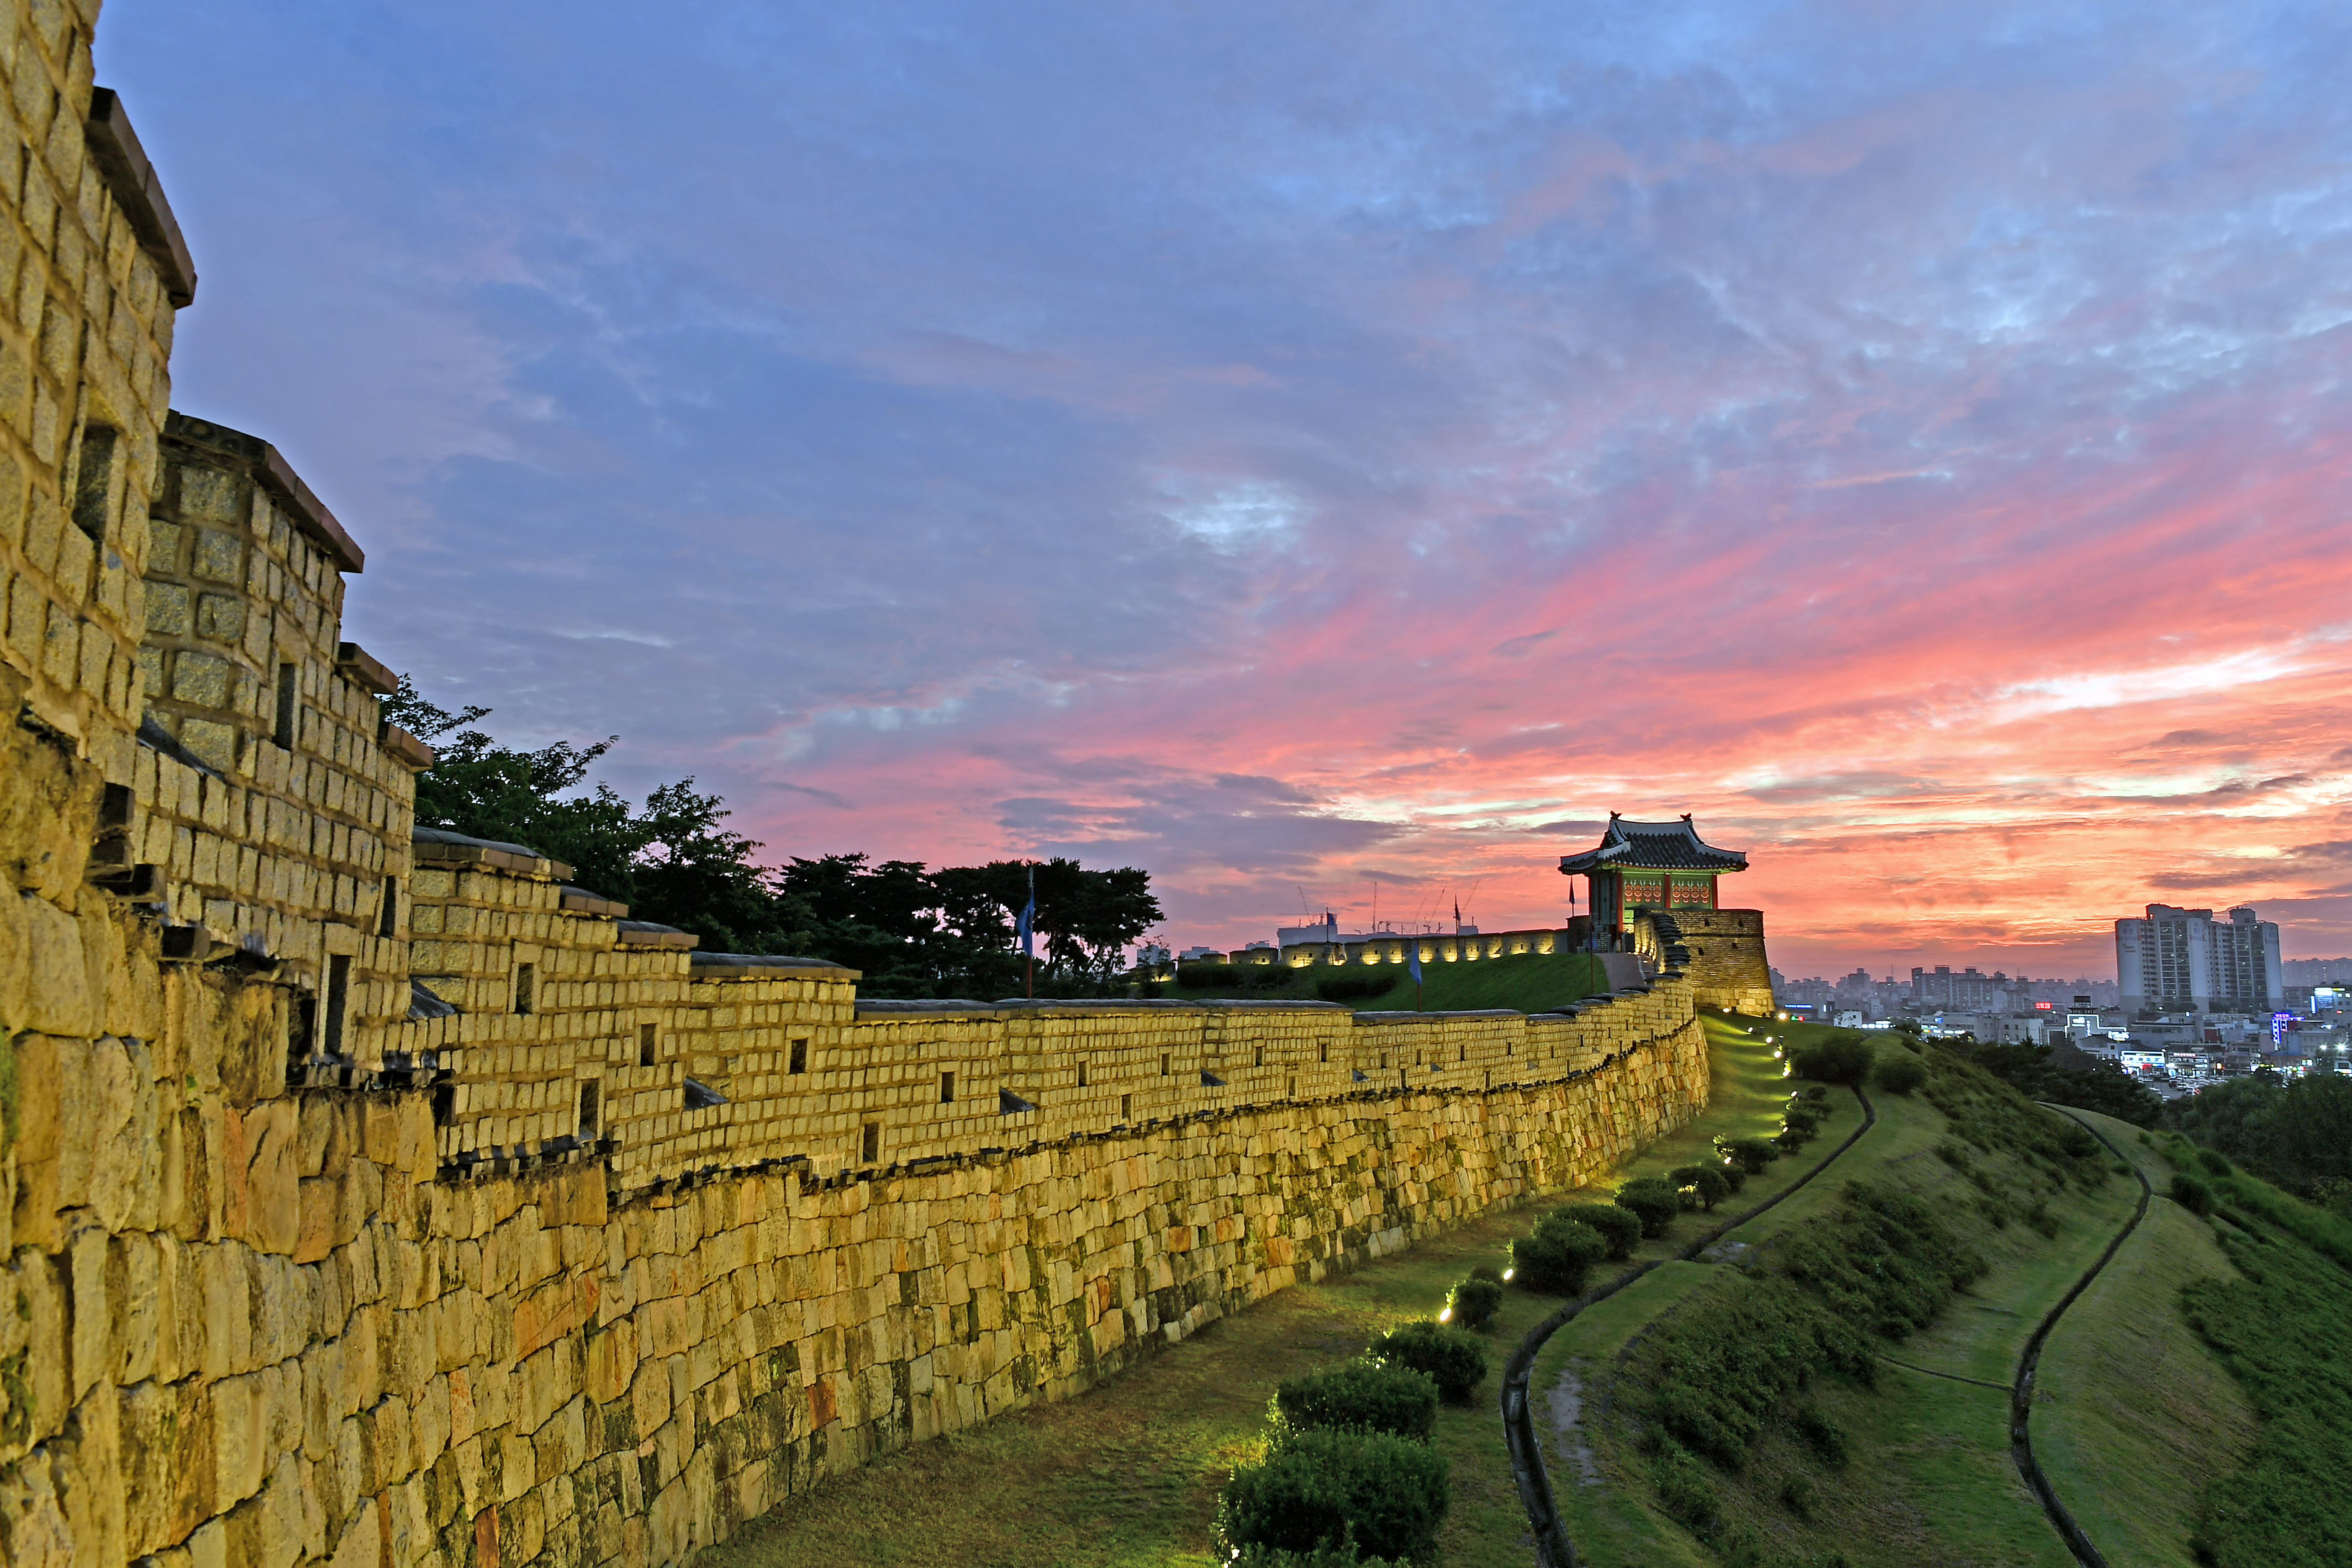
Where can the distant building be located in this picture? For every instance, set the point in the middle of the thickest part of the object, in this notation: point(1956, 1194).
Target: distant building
point(1940, 990)
point(2316, 971)
point(1815, 993)
point(2185, 961)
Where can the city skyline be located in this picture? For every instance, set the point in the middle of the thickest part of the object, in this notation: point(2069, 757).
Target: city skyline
point(1285, 451)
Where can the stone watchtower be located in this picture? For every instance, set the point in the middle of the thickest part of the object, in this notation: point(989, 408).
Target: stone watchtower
point(1654, 884)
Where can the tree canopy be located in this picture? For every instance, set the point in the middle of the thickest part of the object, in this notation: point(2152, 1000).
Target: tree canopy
point(2100, 1086)
point(2294, 1132)
point(914, 932)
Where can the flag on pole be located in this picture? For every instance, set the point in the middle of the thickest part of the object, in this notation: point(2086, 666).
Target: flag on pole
point(1413, 961)
point(1025, 929)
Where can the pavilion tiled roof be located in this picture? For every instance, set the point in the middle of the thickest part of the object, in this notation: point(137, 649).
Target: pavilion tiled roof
point(1630, 846)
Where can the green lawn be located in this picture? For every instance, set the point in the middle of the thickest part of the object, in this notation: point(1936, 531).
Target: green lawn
point(1932, 1480)
point(2137, 1415)
point(1530, 982)
point(1127, 1474)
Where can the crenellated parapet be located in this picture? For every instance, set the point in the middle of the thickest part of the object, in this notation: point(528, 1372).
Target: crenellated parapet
point(568, 1032)
point(377, 1197)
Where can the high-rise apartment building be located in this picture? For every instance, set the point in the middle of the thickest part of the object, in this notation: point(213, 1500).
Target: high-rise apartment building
point(2185, 961)
point(1940, 990)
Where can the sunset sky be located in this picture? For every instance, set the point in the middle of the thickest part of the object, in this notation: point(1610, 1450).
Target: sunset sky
point(1290, 446)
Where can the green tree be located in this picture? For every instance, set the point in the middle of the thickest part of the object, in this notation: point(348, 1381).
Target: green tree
point(1086, 917)
point(2297, 1132)
point(912, 932)
point(484, 790)
point(2100, 1086)
point(674, 863)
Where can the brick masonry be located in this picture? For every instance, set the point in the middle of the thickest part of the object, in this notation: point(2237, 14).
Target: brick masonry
point(371, 1199)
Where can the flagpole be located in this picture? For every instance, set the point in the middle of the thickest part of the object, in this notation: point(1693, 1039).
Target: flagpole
point(1028, 940)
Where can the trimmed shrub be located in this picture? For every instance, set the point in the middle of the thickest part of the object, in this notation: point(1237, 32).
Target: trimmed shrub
point(1360, 1397)
point(2213, 1161)
point(1816, 1094)
point(1454, 1361)
point(1752, 1153)
point(1322, 1490)
point(1619, 1226)
point(1706, 1181)
point(1555, 1258)
point(1651, 1202)
point(1474, 1303)
point(1900, 1074)
point(1794, 1139)
point(1735, 1175)
point(1842, 1058)
point(2192, 1194)
point(1220, 975)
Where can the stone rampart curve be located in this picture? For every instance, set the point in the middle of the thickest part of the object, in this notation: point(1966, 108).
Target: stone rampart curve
point(376, 1197)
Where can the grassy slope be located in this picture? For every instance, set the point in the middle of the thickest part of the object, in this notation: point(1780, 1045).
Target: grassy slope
point(1530, 982)
point(1129, 1473)
point(2277, 1323)
point(2137, 1416)
point(1933, 1482)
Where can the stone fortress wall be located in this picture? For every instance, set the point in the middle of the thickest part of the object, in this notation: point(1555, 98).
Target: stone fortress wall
point(1392, 947)
point(375, 1198)
point(1721, 950)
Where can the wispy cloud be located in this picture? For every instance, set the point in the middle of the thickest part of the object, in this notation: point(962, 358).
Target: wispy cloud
point(1286, 447)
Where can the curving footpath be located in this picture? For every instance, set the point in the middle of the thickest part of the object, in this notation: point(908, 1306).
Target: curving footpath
point(2021, 1395)
point(1553, 1548)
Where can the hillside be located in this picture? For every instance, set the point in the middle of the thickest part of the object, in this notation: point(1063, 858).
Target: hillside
point(1842, 1393)
point(1529, 983)
point(1672, 1420)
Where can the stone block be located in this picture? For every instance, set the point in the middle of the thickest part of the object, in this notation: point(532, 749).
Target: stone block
point(51, 990)
point(320, 1204)
point(264, 1206)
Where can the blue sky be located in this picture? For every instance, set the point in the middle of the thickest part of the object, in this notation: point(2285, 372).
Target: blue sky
point(1286, 447)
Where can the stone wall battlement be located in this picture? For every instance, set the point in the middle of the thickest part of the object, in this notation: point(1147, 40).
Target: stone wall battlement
point(785, 1062)
point(375, 1196)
